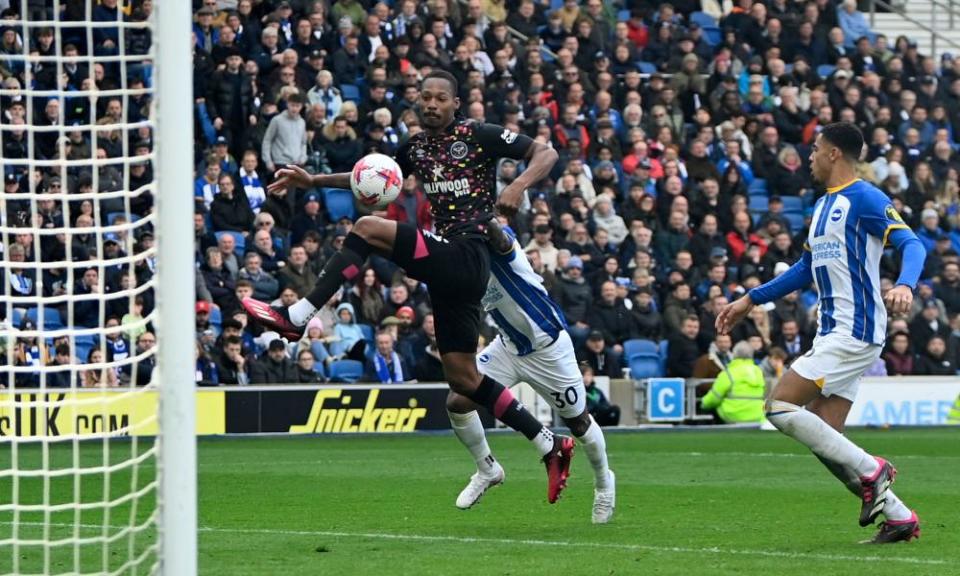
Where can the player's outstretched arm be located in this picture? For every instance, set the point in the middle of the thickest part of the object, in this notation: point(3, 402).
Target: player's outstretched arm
point(900, 298)
point(800, 275)
point(293, 176)
point(540, 160)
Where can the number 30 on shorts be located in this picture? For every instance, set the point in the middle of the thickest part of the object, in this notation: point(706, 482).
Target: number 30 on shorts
point(569, 397)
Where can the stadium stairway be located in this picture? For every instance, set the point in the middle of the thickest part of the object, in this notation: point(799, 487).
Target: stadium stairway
point(934, 14)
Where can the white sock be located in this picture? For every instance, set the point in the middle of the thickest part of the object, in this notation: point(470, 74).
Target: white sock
point(543, 441)
point(596, 448)
point(301, 312)
point(469, 430)
point(808, 429)
point(894, 509)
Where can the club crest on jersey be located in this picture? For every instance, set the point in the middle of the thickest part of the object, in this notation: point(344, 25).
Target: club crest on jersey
point(420, 153)
point(459, 150)
point(509, 136)
point(836, 215)
point(483, 358)
point(893, 214)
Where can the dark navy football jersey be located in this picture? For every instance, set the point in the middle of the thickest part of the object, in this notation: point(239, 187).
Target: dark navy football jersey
point(458, 171)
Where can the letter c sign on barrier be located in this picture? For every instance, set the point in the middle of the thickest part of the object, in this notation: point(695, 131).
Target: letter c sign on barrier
point(665, 400)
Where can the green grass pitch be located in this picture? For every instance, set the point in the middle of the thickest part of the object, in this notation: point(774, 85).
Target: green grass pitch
point(689, 503)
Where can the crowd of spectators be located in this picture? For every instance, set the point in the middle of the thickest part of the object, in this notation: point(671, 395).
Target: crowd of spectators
point(683, 130)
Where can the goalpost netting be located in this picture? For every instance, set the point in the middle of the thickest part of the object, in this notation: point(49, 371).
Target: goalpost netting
point(82, 337)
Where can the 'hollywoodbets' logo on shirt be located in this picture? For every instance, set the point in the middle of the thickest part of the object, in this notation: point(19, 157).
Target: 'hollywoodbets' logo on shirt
point(458, 187)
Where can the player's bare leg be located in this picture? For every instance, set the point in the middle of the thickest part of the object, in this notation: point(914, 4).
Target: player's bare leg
point(842, 457)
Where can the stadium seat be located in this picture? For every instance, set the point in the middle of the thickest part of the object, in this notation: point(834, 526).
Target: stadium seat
point(792, 204)
point(825, 70)
point(664, 350)
point(639, 347)
point(703, 19)
point(758, 203)
point(16, 317)
point(795, 220)
point(623, 15)
point(348, 371)
point(216, 318)
point(367, 333)
point(757, 188)
point(350, 92)
point(241, 242)
point(712, 35)
point(51, 318)
point(646, 67)
point(339, 203)
point(318, 368)
point(645, 367)
point(82, 346)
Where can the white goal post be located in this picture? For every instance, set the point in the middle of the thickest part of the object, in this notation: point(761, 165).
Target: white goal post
point(98, 464)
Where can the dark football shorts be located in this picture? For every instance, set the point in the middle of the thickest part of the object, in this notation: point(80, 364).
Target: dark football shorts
point(456, 272)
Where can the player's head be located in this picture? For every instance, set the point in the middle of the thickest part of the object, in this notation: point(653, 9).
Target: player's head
point(838, 144)
point(439, 100)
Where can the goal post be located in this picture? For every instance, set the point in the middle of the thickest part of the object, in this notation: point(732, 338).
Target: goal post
point(176, 291)
point(98, 464)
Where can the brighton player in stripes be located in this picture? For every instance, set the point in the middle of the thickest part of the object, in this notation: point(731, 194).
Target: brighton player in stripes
point(851, 225)
point(533, 347)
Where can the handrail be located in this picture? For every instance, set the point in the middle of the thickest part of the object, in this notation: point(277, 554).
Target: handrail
point(934, 34)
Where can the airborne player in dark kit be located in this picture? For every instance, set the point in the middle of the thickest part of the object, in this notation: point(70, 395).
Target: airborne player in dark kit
point(456, 161)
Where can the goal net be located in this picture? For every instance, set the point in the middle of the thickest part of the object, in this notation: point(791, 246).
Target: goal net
point(87, 321)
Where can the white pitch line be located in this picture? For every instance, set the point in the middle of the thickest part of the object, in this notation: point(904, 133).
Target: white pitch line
point(608, 545)
point(528, 542)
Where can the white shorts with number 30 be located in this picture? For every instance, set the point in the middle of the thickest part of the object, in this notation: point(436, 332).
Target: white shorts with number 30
point(552, 372)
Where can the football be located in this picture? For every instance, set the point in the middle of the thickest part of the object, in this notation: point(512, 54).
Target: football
point(376, 181)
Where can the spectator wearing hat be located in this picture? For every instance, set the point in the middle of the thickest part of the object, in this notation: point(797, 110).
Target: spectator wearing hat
point(598, 356)
point(309, 218)
point(574, 295)
point(274, 366)
point(929, 231)
point(229, 101)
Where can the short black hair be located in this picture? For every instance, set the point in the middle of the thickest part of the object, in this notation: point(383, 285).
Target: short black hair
point(444, 75)
point(845, 136)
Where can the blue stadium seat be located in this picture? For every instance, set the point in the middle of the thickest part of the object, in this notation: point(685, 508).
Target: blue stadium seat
point(712, 35)
point(639, 347)
point(664, 350)
point(646, 67)
point(348, 371)
point(318, 368)
point(623, 15)
point(367, 333)
point(82, 346)
point(703, 19)
point(216, 318)
point(792, 204)
point(16, 317)
point(51, 318)
point(645, 367)
point(339, 203)
point(825, 70)
point(758, 203)
point(241, 242)
point(757, 188)
point(795, 220)
point(350, 92)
